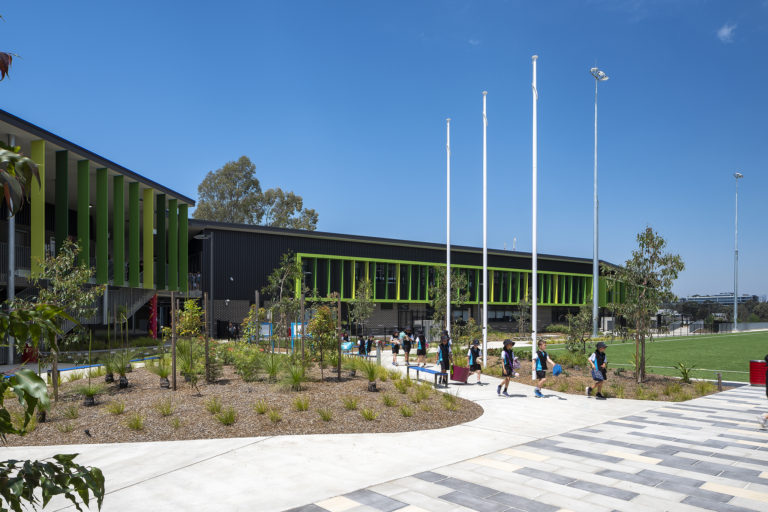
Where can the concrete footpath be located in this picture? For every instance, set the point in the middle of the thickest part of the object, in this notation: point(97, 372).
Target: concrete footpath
point(362, 471)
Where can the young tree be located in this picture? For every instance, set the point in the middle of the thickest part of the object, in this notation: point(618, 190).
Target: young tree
point(579, 329)
point(322, 328)
point(524, 314)
point(281, 289)
point(63, 282)
point(437, 294)
point(361, 307)
point(233, 194)
point(647, 277)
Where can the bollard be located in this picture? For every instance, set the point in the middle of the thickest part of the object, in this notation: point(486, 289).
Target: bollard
point(719, 382)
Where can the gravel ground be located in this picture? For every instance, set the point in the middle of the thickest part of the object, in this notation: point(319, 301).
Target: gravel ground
point(191, 420)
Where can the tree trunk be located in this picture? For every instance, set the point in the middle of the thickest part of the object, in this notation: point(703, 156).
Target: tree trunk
point(637, 359)
point(55, 375)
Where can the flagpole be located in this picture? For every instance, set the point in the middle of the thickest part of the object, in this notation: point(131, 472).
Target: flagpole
point(534, 252)
point(448, 227)
point(485, 231)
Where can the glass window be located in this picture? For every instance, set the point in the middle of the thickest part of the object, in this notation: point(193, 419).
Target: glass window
point(348, 279)
point(391, 281)
point(308, 275)
point(381, 280)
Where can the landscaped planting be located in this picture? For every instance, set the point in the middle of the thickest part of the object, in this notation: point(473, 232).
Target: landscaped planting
point(265, 404)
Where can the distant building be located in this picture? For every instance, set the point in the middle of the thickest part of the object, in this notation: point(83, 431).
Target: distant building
point(720, 298)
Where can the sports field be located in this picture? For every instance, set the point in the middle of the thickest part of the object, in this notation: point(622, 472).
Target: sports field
point(728, 354)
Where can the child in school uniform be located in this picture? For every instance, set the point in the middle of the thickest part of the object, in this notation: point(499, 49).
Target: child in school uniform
point(507, 366)
point(395, 341)
point(474, 358)
point(369, 345)
point(540, 360)
point(421, 349)
point(360, 346)
point(444, 358)
point(599, 366)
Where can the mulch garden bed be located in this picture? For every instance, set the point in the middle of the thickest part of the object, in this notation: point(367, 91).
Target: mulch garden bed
point(622, 385)
point(190, 418)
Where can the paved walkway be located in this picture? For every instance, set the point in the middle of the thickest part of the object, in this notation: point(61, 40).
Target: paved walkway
point(523, 453)
point(706, 454)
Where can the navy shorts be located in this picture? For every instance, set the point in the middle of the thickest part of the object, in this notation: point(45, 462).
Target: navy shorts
point(541, 374)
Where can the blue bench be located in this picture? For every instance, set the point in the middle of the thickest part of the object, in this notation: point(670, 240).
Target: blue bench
point(436, 373)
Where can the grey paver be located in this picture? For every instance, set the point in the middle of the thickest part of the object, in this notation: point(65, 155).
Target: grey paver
point(714, 505)
point(479, 491)
point(376, 500)
point(430, 476)
point(473, 502)
point(308, 508)
point(520, 503)
point(545, 475)
point(603, 490)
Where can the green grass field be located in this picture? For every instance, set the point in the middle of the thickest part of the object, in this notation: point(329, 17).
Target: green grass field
point(728, 354)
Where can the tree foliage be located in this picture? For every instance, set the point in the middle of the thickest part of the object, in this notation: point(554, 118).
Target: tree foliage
point(322, 328)
point(23, 482)
point(281, 289)
point(362, 306)
point(648, 277)
point(437, 293)
point(233, 194)
point(579, 329)
point(16, 174)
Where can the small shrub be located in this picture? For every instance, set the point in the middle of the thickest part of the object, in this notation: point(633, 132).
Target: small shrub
point(562, 386)
point(449, 399)
point(295, 376)
point(261, 407)
point(89, 390)
point(394, 375)
point(65, 428)
point(17, 420)
point(389, 400)
point(618, 371)
point(682, 396)
point(617, 390)
point(425, 407)
point(371, 370)
point(213, 405)
point(420, 393)
point(703, 387)
point(274, 416)
point(406, 412)
point(350, 403)
point(640, 393)
point(325, 414)
point(72, 412)
point(227, 417)
point(369, 414)
point(135, 422)
point(401, 385)
point(175, 423)
point(165, 407)
point(685, 371)
point(272, 366)
point(301, 403)
point(116, 408)
point(672, 389)
point(74, 375)
point(247, 362)
point(98, 371)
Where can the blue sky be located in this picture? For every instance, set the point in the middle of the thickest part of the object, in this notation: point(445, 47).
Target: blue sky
point(345, 103)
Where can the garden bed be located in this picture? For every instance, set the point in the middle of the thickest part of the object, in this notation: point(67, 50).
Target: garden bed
point(623, 384)
point(189, 418)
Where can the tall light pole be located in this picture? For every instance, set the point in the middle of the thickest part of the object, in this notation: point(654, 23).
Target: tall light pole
point(600, 76)
point(738, 176)
point(534, 251)
point(485, 231)
point(448, 227)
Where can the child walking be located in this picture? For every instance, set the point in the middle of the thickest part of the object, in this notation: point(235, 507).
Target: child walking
point(444, 358)
point(421, 349)
point(541, 358)
point(598, 363)
point(395, 347)
point(474, 359)
point(507, 366)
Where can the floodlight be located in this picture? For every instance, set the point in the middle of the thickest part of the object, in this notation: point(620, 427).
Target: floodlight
point(738, 175)
point(598, 74)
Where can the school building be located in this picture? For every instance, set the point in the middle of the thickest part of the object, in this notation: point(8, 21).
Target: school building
point(136, 234)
